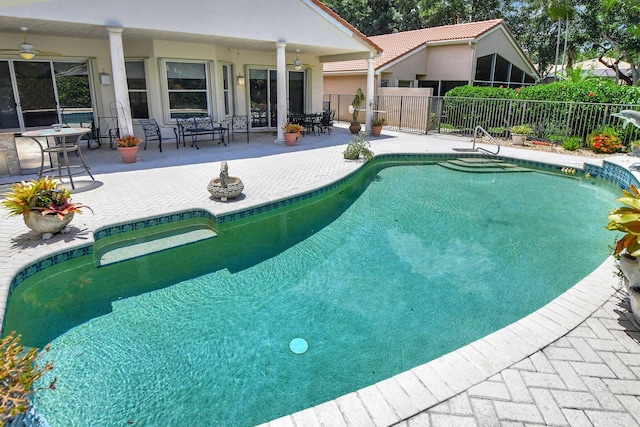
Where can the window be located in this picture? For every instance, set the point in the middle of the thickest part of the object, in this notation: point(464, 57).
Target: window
point(484, 66)
point(384, 83)
point(72, 84)
point(137, 83)
point(227, 79)
point(405, 83)
point(501, 71)
point(187, 89)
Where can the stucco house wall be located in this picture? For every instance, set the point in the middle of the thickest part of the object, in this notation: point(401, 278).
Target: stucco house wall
point(497, 42)
point(449, 62)
point(407, 69)
point(345, 84)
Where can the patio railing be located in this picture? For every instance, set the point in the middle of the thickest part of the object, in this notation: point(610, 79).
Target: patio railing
point(550, 120)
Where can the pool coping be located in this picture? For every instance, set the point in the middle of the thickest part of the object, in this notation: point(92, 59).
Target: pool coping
point(404, 395)
point(411, 392)
point(401, 396)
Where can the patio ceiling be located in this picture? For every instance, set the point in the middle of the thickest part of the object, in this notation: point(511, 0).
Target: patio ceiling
point(79, 30)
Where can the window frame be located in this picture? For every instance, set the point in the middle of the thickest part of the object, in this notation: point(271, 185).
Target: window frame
point(166, 91)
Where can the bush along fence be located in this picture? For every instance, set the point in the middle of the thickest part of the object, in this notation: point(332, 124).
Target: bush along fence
point(553, 121)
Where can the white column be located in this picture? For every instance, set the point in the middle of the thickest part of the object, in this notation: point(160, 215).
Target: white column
point(120, 87)
point(370, 93)
point(281, 65)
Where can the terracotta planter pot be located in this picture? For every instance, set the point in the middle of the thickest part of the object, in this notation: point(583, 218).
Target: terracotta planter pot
point(47, 223)
point(355, 127)
point(128, 154)
point(290, 138)
point(376, 130)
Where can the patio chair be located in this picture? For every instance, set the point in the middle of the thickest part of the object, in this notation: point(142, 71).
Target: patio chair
point(326, 122)
point(239, 124)
point(83, 119)
point(153, 132)
point(93, 136)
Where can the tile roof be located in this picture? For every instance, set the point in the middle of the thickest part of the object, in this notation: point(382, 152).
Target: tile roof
point(398, 44)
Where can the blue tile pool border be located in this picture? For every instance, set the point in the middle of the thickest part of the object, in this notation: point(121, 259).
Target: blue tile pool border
point(608, 171)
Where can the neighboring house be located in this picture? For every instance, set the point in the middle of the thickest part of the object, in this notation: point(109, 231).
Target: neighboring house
point(595, 67)
point(478, 53)
point(163, 59)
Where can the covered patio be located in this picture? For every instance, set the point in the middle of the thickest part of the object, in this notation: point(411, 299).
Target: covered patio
point(115, 65)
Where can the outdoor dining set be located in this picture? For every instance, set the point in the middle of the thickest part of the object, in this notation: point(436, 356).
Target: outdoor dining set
point(315, 123)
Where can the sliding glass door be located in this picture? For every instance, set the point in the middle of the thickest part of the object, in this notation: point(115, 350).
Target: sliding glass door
point(36, 93)
point(8, 106)
point(263, 95)
point(44, 91)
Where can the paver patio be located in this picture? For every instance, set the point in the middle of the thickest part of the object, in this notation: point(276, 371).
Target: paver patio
point(575, 362)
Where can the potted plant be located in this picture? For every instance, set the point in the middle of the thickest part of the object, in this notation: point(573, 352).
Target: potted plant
point(627, 219)
point(376, 126)
point(635, 148)
point(358, 99)
point(357, 148)
point(128, 148)
point(44, 205)
point(291, 132)
point(519, 133)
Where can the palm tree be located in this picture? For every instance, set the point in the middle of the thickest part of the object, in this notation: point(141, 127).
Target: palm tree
point(559, 10)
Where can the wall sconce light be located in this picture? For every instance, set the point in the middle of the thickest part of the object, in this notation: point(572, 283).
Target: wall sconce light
point(241, 80)
point(105, 79)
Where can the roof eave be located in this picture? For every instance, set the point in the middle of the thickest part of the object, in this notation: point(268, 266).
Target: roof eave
point(375, 49)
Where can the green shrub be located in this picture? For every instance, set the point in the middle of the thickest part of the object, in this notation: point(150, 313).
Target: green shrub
point(523, 129)
point(592, 90)
point(572, 143)
point(481, 92)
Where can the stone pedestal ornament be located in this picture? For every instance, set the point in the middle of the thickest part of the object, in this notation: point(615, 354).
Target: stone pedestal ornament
point(226, 187)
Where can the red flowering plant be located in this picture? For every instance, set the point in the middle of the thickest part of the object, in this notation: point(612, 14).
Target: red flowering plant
point(604, 141)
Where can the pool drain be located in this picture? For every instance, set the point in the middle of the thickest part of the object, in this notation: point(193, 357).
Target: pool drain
point(298, 345)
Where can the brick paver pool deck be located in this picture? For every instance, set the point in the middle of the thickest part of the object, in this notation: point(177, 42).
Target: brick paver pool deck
point(574, 362)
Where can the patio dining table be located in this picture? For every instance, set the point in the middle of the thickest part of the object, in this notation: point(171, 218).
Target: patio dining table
point(59, 143)
point(309, 121)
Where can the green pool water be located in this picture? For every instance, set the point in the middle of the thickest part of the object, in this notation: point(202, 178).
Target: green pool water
point(402, 266)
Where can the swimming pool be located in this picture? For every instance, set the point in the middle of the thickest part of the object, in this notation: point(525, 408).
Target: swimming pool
point(337, 286)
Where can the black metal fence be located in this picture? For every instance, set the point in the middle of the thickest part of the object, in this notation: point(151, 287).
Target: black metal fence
point(551, 120)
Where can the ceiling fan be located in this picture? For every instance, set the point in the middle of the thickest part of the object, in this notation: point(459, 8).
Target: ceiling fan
point(297, 64)
point(26, 50)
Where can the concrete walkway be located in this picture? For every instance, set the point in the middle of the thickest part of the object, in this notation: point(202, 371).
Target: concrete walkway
point(574, 362)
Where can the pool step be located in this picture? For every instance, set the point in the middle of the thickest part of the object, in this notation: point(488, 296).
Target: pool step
point(129, 248)
point(482, 165)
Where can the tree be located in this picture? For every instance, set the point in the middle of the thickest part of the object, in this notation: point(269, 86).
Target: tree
point(533, 28)
point(611, 28)
point(371, 17)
